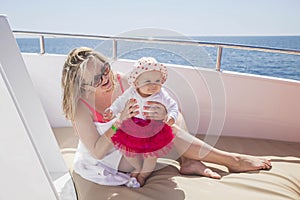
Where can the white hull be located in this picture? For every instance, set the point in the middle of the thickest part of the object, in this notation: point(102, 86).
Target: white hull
point(221, 103)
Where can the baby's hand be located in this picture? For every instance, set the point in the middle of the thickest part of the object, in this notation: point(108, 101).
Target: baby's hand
point(108, 115)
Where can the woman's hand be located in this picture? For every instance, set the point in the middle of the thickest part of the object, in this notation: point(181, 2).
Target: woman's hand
point(155, 111)
point(130, 110)
point(108, 115)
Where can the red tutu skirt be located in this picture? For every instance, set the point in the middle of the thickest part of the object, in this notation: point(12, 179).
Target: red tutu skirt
point(139, 137)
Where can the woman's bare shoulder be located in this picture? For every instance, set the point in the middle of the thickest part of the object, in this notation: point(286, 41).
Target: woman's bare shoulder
point(82, 112)
point(124, 79)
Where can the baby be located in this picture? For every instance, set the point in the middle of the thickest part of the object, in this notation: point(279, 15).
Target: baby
point(142, 140)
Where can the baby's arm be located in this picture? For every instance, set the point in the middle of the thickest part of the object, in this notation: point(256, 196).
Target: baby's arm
point(171, 107)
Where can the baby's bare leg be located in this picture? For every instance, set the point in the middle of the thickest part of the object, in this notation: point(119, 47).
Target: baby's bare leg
point(136, 163)
point(148, 167)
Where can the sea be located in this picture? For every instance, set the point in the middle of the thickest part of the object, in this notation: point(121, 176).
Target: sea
point(253, 62)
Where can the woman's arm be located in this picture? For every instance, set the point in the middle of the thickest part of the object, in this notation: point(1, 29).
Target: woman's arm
point(99, 145)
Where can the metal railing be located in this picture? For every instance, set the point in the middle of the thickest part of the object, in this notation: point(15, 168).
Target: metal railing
point(115, 40)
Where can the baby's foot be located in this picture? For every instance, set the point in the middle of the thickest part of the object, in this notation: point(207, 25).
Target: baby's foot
point(245, 163)
point(134, 174)
point(142, 177)
point(191, 167)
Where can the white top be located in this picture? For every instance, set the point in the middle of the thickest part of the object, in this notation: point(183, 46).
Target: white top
point(162, 97)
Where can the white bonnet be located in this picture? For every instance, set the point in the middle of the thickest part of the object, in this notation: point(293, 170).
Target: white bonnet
point(145, 64)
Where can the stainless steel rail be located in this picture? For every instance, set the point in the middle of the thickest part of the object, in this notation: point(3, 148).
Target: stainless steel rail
point(115, 40)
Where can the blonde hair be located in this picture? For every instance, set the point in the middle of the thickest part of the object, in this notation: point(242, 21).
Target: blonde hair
point(71, 77)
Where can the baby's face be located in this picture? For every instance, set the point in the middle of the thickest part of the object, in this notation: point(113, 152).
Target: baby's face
point(149, 83)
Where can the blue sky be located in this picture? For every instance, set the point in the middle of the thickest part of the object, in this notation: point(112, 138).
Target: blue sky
point(188, 17)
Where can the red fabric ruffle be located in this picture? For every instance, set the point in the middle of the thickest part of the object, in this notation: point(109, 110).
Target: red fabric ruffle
point(139, 137)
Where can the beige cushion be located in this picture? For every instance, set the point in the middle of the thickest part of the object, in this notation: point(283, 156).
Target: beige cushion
point(281, 182)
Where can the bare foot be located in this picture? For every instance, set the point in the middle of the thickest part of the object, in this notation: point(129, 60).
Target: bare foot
point(135, 173)
point(190, 167)
point(142, 177)
point(245, 163)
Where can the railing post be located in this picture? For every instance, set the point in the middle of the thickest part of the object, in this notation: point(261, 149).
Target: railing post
point(42, 44)
point(115, 47)
point(219, 58)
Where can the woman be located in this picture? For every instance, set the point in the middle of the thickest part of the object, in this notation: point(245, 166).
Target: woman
point(89, 87)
